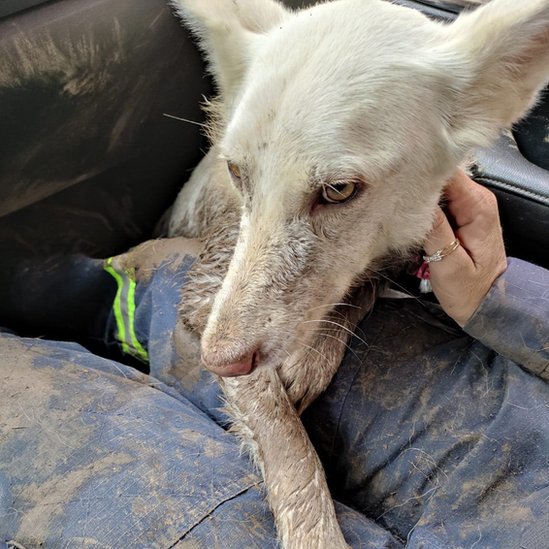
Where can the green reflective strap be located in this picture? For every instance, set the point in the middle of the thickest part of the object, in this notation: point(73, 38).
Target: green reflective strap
point(139, 351)
point(124, 312)
point(117, 310)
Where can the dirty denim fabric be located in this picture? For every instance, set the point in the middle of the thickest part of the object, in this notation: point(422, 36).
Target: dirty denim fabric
point(437, 438)
point(429, 439)
point(514, 318)
point(94, 453)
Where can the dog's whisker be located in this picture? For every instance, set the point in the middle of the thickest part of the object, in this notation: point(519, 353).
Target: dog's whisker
point(338, 314)
point(301, 342)
point(399, 286)
point(347, 346)
point(339, 325)
point(202, 125)
point(315, 350)
point(334, 305)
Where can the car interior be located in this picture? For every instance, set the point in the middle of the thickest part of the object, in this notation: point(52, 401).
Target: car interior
point(100, 125)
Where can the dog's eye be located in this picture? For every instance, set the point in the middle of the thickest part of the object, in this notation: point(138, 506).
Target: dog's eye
point(234, 170)
point(337, 193)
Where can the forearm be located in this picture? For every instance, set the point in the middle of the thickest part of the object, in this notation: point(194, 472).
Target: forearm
point(513, 319)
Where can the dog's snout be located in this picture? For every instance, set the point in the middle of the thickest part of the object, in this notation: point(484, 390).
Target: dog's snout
point(224, 363)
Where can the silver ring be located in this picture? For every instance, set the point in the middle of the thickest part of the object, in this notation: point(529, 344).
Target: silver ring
point(439, 255)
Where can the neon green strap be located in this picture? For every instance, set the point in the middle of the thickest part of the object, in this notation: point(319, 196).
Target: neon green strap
point(124, 312)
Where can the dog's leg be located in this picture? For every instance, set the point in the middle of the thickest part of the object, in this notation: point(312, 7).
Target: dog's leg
point(297, 492)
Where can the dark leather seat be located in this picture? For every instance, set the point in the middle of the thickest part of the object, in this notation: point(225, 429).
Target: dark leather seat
point(91, 161)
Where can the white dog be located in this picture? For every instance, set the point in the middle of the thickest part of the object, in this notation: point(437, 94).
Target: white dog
point(336, 129)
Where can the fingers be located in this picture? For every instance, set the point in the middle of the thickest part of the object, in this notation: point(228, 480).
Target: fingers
point(440, 237)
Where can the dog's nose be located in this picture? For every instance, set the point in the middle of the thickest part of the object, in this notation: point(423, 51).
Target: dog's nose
point(240, 366)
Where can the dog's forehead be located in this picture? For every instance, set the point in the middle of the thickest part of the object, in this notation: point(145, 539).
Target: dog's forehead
point(338, 76)
point(342, 48)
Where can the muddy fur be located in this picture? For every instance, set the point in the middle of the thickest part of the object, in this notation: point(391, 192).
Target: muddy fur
point(358, 91)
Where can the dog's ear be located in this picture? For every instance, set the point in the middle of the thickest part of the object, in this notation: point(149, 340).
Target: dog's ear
point(227, 31)
point(497, 58)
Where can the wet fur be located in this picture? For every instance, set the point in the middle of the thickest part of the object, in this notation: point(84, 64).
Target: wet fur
point(348, 101)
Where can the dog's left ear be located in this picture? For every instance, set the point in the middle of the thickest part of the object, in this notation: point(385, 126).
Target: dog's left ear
point(228, 30)
point(497, 60)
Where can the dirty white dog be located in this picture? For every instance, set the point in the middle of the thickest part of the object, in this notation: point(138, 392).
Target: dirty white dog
point(336, 129)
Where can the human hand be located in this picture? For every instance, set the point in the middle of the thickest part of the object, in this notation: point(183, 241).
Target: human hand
point(462, 279)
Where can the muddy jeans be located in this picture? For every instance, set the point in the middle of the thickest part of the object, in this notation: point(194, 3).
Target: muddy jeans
point(429, 439)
